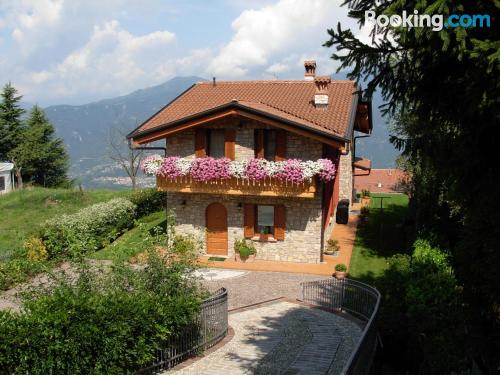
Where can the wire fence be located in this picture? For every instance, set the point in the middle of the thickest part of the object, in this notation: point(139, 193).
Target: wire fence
point(208, 329)
point(360, 300)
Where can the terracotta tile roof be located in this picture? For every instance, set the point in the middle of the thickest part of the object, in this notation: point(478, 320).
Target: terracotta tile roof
point(289, 100)
point(362, 163)
point(380, 181)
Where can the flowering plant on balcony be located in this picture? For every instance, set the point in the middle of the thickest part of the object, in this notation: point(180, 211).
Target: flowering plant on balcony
point(256, 169)
point(292, 171)
point(209, 169)
point(151, 164)
point(328, 170)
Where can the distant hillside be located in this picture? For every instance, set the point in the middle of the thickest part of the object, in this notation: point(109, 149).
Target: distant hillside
point(85, 128)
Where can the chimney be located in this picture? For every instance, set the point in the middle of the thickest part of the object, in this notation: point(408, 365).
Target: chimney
point(310, 70)
point(321, 94)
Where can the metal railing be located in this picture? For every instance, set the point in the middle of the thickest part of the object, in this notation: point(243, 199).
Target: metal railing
point(208, 329)
point(358, 299)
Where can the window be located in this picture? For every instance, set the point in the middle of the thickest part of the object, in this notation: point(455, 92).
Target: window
point(265, 219)
point(2, 183)
point(215, 142)
point(269, 145)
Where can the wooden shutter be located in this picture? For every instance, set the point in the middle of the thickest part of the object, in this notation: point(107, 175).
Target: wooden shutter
point(259, 143)
point(279, 222)
point(229, 143)
point(249, 220)
point(200, 143)
point(280, 145)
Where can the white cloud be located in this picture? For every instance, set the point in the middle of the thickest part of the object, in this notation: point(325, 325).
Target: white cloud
point(272, 32)
point(81, 50)
point(112, 59)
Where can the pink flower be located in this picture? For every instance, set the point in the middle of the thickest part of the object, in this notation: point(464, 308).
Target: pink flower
point(256, 170)
point(291, 172)
point(207, 169)
point(328, 170)
point(169, 169)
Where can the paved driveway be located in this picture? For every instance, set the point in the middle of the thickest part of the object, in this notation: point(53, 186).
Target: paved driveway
point(279, 337)
point(250, 287)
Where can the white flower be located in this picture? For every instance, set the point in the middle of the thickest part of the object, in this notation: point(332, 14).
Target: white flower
point(310, 168)
point(151, 164)
point(184, 165)
point(237, 168)
point(273, 167)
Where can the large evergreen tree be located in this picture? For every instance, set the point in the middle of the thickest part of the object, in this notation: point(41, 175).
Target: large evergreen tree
point(444, 88)
point(10, 120)
point(40, 156)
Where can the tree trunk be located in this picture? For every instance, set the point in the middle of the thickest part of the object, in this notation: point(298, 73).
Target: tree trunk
point(134, 182)
point(19, 178)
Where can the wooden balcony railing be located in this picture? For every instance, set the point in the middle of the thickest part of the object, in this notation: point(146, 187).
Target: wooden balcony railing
point(234, 186)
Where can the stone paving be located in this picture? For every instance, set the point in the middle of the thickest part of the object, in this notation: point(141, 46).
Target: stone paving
point(255, 287)
point(281, 338)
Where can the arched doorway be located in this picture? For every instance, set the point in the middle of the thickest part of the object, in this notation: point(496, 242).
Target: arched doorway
point(216, 218)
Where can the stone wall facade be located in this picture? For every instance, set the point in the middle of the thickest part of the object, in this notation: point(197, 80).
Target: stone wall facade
point(303, 239)
point(298, 147)
point(302, 225)
point(345, 175)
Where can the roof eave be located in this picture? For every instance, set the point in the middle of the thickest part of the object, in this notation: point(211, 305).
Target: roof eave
point(235, 105)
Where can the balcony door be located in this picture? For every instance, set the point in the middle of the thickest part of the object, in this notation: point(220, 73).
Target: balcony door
point(216, 217)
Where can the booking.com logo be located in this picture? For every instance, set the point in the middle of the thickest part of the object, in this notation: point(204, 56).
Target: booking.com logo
point(436, 21)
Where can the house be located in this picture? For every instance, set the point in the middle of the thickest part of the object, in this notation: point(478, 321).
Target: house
point(277, 121)
point(380, 180)
point(6, 177)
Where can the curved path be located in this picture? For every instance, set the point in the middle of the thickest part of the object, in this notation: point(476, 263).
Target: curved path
point(279, 337)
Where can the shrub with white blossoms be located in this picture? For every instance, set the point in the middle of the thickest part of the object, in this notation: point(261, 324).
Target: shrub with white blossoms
point(206, 169)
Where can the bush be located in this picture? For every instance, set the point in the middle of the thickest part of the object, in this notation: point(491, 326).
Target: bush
point(244, 248)
point(89, 229)
point(341, 267)
point(415, 288)
point(19, 269)
point(35, 249)
point(148, 201)
point(100, 323)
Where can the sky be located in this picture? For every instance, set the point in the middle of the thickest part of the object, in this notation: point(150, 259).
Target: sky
point(78, 51)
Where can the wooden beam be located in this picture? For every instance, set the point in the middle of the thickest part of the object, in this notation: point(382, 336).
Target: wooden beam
point(165, 133)
point(237, 187)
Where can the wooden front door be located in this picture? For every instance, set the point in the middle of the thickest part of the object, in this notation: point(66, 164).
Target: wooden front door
point(216, 229)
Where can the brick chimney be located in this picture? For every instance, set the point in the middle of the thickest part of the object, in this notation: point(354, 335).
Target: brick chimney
point(310, 70)
point(321, 94)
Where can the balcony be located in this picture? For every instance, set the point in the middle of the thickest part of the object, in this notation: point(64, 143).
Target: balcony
point(269, 187)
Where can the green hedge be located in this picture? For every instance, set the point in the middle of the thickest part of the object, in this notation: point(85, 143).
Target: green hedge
point(148, 201)
point(89, 229)
point(111, 324)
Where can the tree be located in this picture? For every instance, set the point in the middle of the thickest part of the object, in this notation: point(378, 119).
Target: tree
point(444, 88)
point(10, 120)
point(40, 157)
point(126, 157)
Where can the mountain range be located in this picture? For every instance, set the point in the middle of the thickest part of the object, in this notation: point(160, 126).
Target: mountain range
point(87, 128)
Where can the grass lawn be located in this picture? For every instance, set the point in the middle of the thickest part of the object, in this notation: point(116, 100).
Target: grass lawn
point(381, 237)
point(132, 242)
point(23, 211)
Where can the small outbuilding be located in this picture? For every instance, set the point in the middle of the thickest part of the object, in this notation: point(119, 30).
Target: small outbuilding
point(6, 177)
